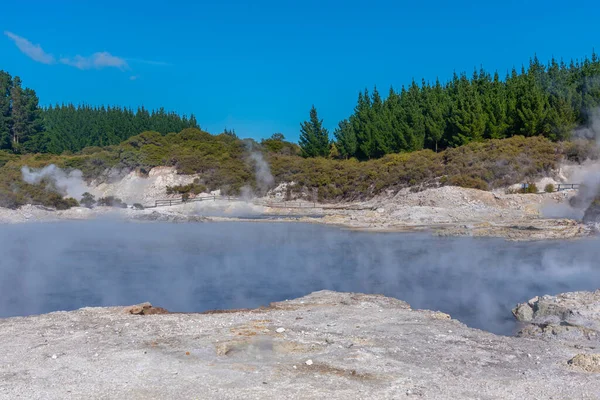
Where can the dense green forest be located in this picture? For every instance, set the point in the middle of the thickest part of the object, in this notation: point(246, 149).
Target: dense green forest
point(548, 100)
point(27, 128)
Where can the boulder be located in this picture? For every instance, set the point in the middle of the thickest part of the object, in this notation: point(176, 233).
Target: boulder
point(572, 317)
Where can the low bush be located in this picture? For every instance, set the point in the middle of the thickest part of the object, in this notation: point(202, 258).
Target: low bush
point(192, 188)
point(111, 201)
point(549, 188)
point(88, 200)
point(529, 188)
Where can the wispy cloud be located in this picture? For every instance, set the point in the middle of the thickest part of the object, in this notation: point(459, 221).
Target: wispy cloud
point(134, 77)
point(96, 61)
point(33, 51)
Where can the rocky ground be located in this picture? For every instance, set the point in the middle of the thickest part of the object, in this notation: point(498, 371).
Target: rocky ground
point(443, 211)
point(570, 317)
point(325, 345)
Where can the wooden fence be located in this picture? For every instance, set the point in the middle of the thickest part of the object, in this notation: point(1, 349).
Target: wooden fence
point(566, 186)
point(180, 200)
point(274, 204)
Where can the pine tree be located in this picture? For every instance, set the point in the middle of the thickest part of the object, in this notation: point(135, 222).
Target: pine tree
point(466, 116)
point(346, 139)
point(495, 107)
point(531, 107)
point(435, 115)
point(18, 111)
point(361, 123)
point(314, 139)
point(5, 131)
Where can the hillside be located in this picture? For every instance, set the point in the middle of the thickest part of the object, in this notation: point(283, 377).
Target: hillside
point(229, 164)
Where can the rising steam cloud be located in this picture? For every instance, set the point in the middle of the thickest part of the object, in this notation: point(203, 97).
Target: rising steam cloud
point(587, 175)
point(264, 178)
point(69, 183)
point(592, 130)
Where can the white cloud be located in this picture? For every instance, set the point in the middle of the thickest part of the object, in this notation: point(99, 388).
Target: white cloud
point(133, 77)
point(96, 60)
point(33, 51)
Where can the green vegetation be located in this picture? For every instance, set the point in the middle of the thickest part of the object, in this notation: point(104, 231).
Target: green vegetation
point(20, 116)
point(549, 188)
point(87, 200)
point(14, 192)
point(222, 163)
point(314, 139)
point(277, 144)
point(548, 100)
point(27, 128)
point(111, 201)
point(480, 165)
point(70, 128)
point(481, 132)
point(529, 188)
point(186, 190)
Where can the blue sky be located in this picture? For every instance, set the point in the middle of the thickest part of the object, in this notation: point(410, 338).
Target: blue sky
point(258, 66)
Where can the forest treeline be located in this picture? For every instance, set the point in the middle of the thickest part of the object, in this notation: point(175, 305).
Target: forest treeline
point(27, 128)
point(548, 100)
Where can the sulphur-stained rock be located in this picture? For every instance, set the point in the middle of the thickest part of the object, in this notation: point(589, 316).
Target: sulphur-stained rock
point(144, 309)
point(523, 312)
point(586, 362)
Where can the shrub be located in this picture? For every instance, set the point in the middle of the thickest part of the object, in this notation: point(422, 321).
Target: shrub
point(68, 203)
point(88, 200)
point(192, 188)
point(529, 188)
point(111, 201)
point(137, 206)
point(469, 182)
point(549, 188)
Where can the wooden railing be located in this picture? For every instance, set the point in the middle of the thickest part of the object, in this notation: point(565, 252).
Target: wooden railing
point(180, 200)
point(566, 186)
point(274, 204)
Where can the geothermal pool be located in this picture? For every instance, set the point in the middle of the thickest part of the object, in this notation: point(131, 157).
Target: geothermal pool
point(197, 267)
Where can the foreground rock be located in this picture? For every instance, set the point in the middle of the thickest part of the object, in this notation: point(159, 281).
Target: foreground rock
point(334, 345)
point(570, 317)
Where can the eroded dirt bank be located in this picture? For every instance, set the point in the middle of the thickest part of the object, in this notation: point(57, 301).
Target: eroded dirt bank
point(325, 345)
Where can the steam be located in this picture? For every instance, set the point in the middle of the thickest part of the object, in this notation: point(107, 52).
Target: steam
point(592, 130)
point(198, 267)
point(69, 183)
point(264, 178)
point(587, 175)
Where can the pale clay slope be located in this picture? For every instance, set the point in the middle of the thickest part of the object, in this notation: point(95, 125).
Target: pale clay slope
point(359, 347)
